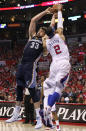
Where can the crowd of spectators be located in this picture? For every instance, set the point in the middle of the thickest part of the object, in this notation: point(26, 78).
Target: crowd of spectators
point(9, 59)
point(75, 91)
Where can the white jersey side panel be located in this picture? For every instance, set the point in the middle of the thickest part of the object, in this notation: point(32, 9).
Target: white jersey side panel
point(57, 48)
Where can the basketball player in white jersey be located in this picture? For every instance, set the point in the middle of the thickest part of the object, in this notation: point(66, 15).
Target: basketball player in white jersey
point(60, 66)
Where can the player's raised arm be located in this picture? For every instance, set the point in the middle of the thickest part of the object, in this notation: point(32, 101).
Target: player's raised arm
point(53, 20)
point(32, 27)
point(59, 14)
point(60, 21)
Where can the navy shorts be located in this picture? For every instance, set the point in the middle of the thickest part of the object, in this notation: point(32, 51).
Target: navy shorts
point(26, 75)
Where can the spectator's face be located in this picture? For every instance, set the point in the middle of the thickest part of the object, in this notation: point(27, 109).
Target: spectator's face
point(68, 90)
point(85, 84)
point(62, 99)
point(77, 100)
point(84, 90)
point(42, 78)
point(71, 99)
point(73, 89)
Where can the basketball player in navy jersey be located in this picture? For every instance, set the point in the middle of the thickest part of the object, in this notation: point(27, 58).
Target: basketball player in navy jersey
point(26, 73)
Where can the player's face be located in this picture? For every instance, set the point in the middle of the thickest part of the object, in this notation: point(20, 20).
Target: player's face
point(41, 33)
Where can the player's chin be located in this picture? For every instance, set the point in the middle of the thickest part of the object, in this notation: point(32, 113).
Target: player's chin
point(38, 35)
point(41, 35)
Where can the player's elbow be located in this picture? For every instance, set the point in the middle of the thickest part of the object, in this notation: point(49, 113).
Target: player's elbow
point(33, 20)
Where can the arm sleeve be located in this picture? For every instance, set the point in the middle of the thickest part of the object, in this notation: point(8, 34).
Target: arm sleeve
point(60, 20)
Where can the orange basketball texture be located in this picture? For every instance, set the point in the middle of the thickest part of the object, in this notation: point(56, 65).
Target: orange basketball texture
point(57, 7)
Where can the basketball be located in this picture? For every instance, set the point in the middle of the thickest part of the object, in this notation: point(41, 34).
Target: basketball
point(57, 7)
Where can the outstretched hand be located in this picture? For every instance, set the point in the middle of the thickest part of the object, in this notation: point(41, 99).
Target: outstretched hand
point(48, 10)
point(57, 7)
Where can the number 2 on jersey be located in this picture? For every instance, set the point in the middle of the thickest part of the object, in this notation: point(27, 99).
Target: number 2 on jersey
point(57, 49)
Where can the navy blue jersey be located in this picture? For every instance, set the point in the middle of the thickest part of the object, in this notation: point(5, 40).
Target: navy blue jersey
point(32, 50)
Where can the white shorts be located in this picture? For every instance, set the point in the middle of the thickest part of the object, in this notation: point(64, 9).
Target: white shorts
point(58, 76)
point(46, 104)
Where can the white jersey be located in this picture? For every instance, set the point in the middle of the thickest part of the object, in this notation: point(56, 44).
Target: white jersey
point(57, 48)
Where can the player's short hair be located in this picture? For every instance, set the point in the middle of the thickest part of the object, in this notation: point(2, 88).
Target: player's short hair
point(50, 32)
point(44, 28)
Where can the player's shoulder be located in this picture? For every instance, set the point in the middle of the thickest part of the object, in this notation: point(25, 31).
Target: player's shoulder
point(48, 40)
point(60, 37)
point(56, 35)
